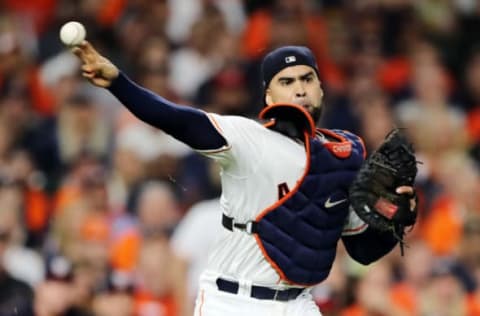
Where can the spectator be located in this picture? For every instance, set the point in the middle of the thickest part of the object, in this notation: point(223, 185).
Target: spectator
point(16, 297)
point(191, 242)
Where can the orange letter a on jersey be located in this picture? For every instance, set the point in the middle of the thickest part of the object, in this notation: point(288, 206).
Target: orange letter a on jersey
point(282, 190)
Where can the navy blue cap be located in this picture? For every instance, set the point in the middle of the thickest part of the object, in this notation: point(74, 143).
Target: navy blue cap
point(284, 57)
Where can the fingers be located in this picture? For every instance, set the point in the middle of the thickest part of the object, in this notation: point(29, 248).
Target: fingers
point(405, 190)
point(87, 68)
point(79, 52)
point(96, 68)
point(409, 191)
point(413, 204)
point(86, 52)
point(91, 73)
point(88, 48)
point(88, 75)
point(100, 82)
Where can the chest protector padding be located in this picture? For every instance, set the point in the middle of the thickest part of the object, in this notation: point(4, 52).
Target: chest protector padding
point(298, 235)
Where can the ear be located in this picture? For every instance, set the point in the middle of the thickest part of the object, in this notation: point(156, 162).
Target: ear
point(268, 97)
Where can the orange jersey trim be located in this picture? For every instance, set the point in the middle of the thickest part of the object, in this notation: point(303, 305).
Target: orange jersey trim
point(215, 123)
point(356, 229)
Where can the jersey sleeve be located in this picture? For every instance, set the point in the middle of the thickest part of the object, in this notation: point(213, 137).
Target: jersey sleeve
point(187, 124)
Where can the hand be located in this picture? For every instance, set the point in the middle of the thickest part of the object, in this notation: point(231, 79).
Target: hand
point(97, 69)
point(409, 191)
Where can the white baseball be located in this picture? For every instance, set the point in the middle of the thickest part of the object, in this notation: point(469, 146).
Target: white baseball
point(72, 33)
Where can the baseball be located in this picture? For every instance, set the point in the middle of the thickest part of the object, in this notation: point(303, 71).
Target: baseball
point(72, 33)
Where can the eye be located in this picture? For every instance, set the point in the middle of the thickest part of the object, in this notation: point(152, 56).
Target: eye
point(308, 79)
point(285, 82)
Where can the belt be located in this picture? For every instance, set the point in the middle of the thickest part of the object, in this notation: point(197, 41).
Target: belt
point(250, 227)
point(260, 292)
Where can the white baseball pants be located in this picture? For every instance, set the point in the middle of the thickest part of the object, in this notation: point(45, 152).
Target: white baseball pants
point(213, 302)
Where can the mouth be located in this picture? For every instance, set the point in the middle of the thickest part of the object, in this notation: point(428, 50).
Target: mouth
point(305, 103)
point(302, 102)
point(307, 106)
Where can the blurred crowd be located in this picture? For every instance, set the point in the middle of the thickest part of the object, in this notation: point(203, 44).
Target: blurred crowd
point(101, 214)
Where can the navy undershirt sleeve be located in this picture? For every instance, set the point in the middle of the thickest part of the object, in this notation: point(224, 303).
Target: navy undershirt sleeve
point(189, 125)
point(370, 245)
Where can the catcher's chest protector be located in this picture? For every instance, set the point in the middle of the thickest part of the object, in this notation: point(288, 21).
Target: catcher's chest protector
point(298, 235)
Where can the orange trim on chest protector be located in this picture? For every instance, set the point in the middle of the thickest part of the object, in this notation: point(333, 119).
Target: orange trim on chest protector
point(342, 148)
point(311, 123)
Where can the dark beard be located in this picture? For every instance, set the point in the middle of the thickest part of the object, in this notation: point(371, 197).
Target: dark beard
point(316, 113)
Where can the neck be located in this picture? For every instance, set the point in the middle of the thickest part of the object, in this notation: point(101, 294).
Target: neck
point(288, 128)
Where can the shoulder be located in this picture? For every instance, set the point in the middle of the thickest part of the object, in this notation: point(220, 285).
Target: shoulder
point(238, 128)
point(344, 133)
point(234, 120)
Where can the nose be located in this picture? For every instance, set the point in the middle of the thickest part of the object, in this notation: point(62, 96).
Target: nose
point(300, 90)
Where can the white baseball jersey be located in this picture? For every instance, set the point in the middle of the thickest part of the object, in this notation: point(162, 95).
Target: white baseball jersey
point(257, 165)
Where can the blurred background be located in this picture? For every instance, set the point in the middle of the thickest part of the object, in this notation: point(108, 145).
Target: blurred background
point(101, 214)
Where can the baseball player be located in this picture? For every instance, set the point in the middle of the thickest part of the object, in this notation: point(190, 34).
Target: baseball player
point(284, 186)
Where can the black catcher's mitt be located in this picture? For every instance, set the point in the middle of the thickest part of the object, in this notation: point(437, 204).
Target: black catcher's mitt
point(372, 193)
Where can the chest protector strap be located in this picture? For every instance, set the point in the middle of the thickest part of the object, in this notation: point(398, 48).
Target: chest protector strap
point(250, 227)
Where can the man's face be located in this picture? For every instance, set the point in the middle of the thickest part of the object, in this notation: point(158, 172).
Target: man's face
point(298, 85)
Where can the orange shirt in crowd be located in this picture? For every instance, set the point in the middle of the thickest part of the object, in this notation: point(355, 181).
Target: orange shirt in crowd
point(110, 11)
point(124, 251)
point(43, 99)
point(256, 42)
point(37, 209)
point(353, 310)
point(473, 304)
point(394, 74)
point(41, 12)
point(442, 229)
point(95, 227)
point(66, 196)
point(256, 38)
point(473, 125)
point(405, 298)
point(402, 297)
point(146, 304)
